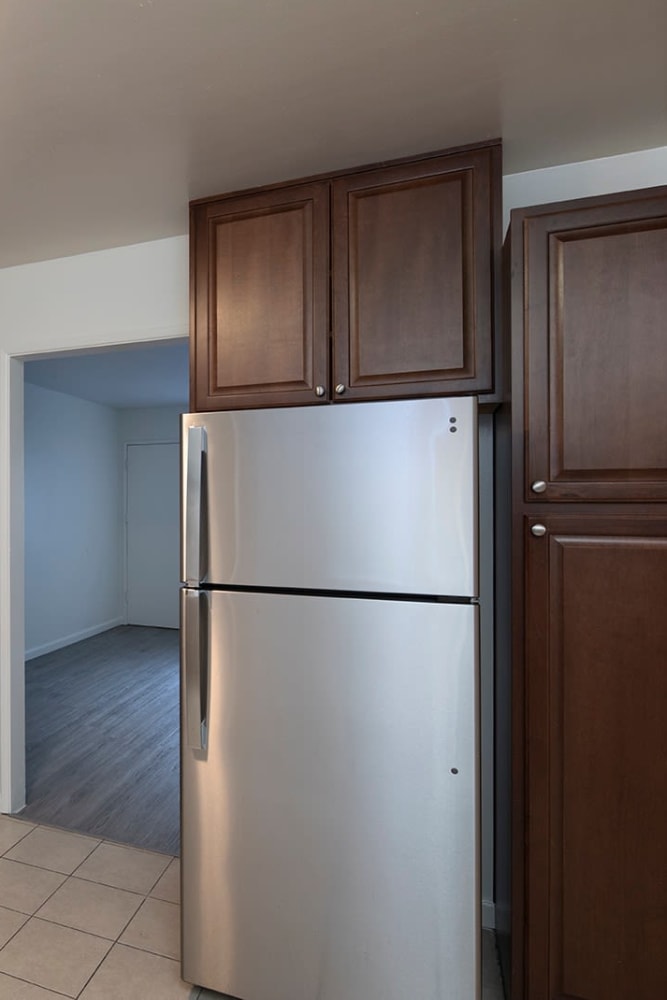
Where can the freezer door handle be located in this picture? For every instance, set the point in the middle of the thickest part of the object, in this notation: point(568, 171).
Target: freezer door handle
point(195, 666)
point(195, 507)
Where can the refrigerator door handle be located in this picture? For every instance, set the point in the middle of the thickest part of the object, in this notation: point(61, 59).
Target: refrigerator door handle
point(195, 507)
point(195, 660)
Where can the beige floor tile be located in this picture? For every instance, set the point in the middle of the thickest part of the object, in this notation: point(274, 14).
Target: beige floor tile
point(56, 850)
point(138, 975)
point(123, 867)
point(11, 831)
point(15, 989)
point(169, 885)
point(156, 928)
point(91, 907)
point(57, 958)
point(25, 888)
point(10, 921)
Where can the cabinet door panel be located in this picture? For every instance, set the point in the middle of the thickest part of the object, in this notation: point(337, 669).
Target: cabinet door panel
point(260, 284)
point(595, 361)
point(596, 704)
point(413, 268)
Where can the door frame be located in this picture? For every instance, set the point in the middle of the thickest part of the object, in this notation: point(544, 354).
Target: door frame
point(12, 602)
point(12, 550)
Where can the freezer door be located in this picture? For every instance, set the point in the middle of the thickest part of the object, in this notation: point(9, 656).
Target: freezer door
point(378, 497)
point(330, 819)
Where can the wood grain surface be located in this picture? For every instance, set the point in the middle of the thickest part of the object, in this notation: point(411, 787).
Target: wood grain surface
point(102, 737)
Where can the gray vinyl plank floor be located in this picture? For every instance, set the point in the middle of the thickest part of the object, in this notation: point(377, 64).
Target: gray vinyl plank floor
point(102, 723)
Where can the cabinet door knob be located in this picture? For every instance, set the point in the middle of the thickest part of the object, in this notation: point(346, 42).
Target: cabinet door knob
point(539, 486)
point(319, 390)
point(538, 530)
point(340, 389)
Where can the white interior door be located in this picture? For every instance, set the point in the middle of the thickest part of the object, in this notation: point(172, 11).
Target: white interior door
point(152, 534)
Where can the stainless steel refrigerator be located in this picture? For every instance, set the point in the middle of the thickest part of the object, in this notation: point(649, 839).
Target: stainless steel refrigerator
point(329, 702)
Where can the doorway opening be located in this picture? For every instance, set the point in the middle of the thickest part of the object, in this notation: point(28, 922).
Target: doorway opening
point(101, 592)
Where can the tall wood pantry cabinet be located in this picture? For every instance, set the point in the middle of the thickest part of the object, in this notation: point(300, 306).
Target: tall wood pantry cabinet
point(372, 283)
point(589, 429)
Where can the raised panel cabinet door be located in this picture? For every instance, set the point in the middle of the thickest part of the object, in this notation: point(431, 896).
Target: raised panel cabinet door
point(596, 758)
point(260, 299)
point(414, 253)
point(590, 314)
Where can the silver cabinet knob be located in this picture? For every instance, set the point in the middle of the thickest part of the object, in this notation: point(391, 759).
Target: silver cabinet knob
point(539, 486)
point(340, 389)
point(319, 390)
point(538, 530)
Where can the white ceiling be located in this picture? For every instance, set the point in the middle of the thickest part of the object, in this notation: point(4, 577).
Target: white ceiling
point(114, 113)
point(156, 375)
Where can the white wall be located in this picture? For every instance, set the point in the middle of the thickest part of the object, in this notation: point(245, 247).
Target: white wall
point(73, 540)
point(126, 295)
point(646, 168)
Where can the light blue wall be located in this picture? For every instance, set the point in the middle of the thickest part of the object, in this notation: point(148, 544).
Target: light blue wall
point(73, 520)
point(144, 424)
point(74, 512)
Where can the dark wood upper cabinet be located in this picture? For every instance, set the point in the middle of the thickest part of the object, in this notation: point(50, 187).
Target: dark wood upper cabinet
point(412, 278)
point(260, 298)
point(415, 261)
point(595, 920)
point(590, 306)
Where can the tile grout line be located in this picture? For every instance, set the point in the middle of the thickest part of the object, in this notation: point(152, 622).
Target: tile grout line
point(144, 896)
point(97, 968)
point(11, 848)
point(111, 941)
point(80, 834)
point(27, 918)
point(138, 909)
point(57, 993)
point(37, 868)
point(68, 927)
point(99, 843)
point(148, 951)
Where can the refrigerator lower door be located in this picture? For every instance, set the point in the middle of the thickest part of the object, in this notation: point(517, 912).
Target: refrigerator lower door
point(330, 818)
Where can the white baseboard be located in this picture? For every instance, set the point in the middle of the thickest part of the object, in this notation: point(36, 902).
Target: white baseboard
point(68, 640)
point(488, 914)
